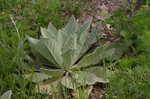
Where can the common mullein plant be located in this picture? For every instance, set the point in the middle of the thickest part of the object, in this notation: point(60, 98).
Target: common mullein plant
point(70, 61)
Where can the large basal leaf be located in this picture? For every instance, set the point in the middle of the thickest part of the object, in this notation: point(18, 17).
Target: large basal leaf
point(55, 49)
point(37, 77)
point(6, 95)
point(100, 72)
point(81, 78)
point(41, 47)
point(89, 77)
point(45, 75)
point(47, 33)
point(96, 56)
point(54, 73)
point(75, 39)
point(71, 27)
point(91, 39)
point(83, 36)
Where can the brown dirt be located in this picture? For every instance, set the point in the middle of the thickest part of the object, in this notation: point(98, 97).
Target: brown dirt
point(98, 91)
point(97, 8)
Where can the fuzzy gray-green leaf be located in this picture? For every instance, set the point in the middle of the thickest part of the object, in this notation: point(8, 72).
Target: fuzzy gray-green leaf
point(41, 47)
point(96, 56)
point(6, 95)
